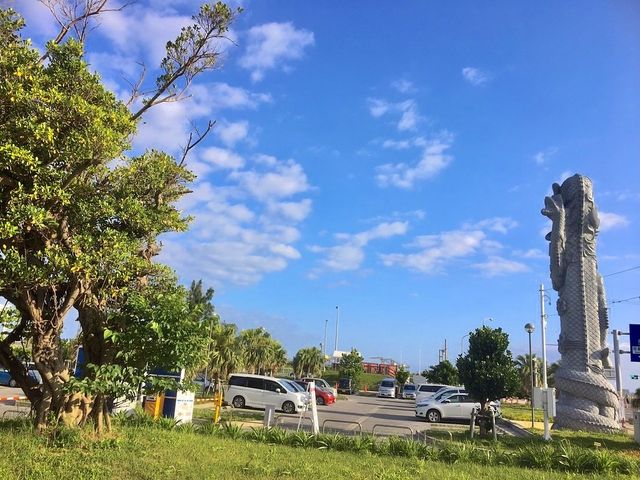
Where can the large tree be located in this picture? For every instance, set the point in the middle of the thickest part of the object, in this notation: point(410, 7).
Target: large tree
point(487, 370)
point(77, 227)
point(444, 373)
point(351, 366)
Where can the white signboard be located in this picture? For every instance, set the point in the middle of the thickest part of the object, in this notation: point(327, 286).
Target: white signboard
point(184, 406)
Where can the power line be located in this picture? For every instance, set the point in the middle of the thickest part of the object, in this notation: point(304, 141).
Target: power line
point(621, 271)
point(625, 300)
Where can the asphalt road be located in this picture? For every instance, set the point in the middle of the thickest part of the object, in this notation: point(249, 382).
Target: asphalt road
point(388, 416)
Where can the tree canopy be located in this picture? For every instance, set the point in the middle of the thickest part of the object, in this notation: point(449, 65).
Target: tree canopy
point(351, 366)
point(77, 227)
point(444, 373)
point(487, 370)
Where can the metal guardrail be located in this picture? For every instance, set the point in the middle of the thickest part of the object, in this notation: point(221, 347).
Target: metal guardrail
point(397, 427)
point(294, 418)
point(348, 422)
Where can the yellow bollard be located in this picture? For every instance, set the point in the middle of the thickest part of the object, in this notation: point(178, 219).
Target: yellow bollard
point(217, 402)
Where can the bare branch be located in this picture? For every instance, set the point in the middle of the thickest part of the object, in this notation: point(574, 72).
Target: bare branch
point(76, 15)
point(135, 87)
point(191, 143)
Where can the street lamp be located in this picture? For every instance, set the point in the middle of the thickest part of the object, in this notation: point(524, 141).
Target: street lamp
point(529, 328)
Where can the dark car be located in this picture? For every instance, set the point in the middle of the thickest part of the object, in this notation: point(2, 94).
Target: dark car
point(5, 377)
point(347, 385)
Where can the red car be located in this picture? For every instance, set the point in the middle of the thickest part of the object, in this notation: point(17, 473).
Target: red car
point(323, 397)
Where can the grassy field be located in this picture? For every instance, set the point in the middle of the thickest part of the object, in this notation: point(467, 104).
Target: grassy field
point(370, 380)
point(153, 453)
point(521, 412)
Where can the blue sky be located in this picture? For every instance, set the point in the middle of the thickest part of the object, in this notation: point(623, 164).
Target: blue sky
point(393, 161)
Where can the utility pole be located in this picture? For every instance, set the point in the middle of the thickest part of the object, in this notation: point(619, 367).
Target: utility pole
point(337, 321)
point(618, 366)
point(324, 351)
point(543, 321)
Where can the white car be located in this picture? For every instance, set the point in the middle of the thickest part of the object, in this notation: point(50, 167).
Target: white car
point(247, 390)
point(426, 390)
point(387, 388)
point(457, 406)
point(439, 395)
point(409, 391)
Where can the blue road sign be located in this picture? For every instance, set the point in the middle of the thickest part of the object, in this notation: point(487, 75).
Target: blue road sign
point(634, 337)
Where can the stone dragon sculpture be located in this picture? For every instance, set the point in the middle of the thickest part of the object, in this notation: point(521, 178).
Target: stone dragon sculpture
point(586, 400)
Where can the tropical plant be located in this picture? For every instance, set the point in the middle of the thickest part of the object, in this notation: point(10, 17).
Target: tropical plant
point(225, 354)
point(523, 364)
point(402, 375)
point(308, 361)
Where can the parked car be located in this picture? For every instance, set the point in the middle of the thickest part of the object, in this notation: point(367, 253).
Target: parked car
point(387, 388)
point(409, 391)
point(347, 385)
point(247, 390)
point(6, 380)
point(440, 394)
point(298, 388)
point(457, 406)
point(426, 390)
point(323, 396)
point(322, 383)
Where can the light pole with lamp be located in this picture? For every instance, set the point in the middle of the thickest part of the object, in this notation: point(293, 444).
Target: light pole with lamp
point(529, 328)
point(462, 344)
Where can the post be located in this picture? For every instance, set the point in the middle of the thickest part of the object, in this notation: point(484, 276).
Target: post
point(337, 320)
point(324, 352)
point(543, 321)
point(445, 349)
point(532, 382)
point(616, 359)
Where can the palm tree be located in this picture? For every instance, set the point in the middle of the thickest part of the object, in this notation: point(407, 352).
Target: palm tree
point(277, 358)
point(256, 347)
point(225, 351)
point(523, 364)
point(308, 361)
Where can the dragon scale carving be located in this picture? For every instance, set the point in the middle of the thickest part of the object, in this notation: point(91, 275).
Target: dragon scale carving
point(586, 400)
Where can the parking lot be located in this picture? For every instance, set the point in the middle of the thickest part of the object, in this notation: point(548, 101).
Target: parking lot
point(9, 409)
point(387, 416)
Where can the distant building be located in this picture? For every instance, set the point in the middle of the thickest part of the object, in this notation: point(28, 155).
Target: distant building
point(389, 369)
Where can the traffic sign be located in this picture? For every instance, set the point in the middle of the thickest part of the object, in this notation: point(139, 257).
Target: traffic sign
point(634, 337)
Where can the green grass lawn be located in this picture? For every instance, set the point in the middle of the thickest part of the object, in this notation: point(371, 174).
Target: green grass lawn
point(152, 453)
point(620, 443)
point(521, 412)
point(371, 380)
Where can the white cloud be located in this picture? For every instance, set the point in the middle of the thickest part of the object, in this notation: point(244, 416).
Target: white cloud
point(231, 133)
point(437, 251)
point(297, 211)
point(224, 96)
point(475, 76)
point(533, 253)
point(410, 117)
point(407, 109)
point(222, 159)
point(403, 86)
point(434, 159)
point(396, 144)
point(542, 157)
point(609, 221)
point(271, 45)
point(496, 266)
point(285, 179)
point(349, 255)
point(495, 224)
point(378, 107)
point(245, 229)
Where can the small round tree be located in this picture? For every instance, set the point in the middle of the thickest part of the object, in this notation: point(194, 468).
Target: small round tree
point(444, 373)
point(487, 370)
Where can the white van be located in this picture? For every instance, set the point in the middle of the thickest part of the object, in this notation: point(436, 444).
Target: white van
point(247, 390)
point(387, 388)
